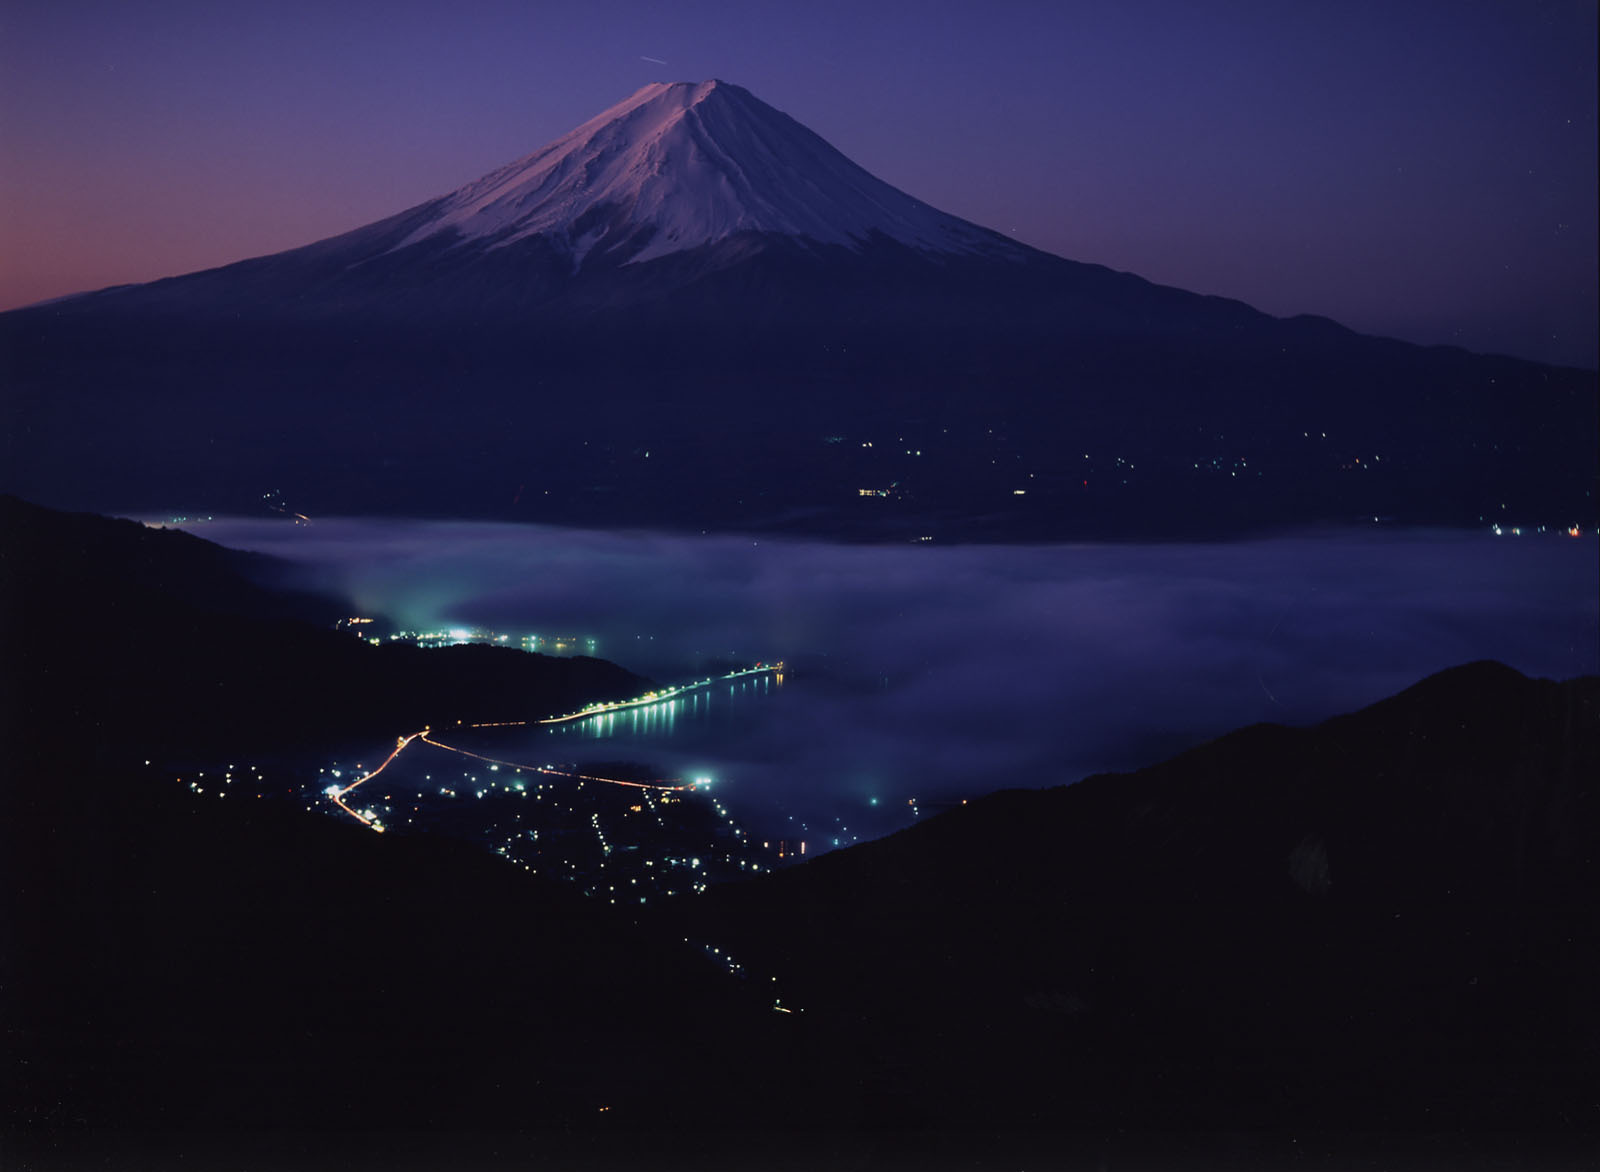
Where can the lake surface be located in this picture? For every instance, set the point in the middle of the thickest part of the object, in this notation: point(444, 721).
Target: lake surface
point(937, 673)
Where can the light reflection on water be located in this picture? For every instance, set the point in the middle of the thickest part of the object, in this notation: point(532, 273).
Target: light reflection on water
point(736, 734)
point(652, 724)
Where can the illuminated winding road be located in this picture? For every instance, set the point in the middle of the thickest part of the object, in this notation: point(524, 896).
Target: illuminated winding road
point(337, 794)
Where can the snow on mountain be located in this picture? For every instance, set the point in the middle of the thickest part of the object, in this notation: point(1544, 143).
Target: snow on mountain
point(677, 166)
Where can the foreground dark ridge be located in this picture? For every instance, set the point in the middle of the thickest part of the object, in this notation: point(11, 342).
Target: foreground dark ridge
point(173, 963)
point(1387, 921)
point(138, 642)
point(1385, 924)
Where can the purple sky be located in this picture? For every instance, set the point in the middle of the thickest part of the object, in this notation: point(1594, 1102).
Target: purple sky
point(1422, 169)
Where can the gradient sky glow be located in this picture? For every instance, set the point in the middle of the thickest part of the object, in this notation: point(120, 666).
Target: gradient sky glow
point(1421, 169)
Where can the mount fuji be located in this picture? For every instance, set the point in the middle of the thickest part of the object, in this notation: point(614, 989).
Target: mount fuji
point(692, 311)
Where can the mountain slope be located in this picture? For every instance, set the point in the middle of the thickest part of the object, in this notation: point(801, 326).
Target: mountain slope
point(176, 964)
point(1384, 922)
point(187, 655)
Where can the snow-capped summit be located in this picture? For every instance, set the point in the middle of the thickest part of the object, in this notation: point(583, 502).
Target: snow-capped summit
point(682, 165)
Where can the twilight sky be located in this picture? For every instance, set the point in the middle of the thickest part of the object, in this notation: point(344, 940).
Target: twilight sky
point(1421, 168)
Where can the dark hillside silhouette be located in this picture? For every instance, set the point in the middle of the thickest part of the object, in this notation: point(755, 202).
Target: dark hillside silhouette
point(136, 642)
point(1384, 924)
point(1390, 920)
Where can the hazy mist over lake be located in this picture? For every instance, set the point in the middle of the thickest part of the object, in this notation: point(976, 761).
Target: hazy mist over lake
point(941, 672)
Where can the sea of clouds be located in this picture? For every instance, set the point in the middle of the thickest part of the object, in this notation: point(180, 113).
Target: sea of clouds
point(940, 672)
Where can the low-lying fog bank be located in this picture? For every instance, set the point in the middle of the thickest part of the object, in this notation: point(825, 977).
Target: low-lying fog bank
point(938, 672)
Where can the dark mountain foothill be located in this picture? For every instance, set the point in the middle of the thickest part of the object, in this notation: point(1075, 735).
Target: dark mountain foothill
point(177, 964)
point(1388, 921)
point(131, 642)
point(1362, 936)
